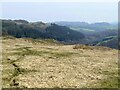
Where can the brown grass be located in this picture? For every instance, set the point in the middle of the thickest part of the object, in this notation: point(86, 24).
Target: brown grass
point(42, 65)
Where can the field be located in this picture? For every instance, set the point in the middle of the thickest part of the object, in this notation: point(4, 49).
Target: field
point(29, 63)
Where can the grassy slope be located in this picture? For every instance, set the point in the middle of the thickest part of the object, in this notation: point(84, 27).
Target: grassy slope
point(32, 63)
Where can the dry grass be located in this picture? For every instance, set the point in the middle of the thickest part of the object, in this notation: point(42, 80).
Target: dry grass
point(50, 65)
point(80, 46)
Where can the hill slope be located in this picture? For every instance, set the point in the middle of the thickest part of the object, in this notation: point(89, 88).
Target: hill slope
point(69, 33)
point(100, 26)
point(33, 63)
point(37, 30)
point(111, 42)
point(95, 32)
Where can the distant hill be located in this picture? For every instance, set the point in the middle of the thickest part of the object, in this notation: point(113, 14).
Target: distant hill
point(23, 29)
point(111, 42)
point(66, 32)
point(95, 32)
point(93, 26)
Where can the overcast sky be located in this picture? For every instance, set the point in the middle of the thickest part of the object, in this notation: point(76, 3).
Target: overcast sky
point(61, 11)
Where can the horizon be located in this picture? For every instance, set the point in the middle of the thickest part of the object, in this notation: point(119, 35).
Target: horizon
point(90, 12)
point(61, 21)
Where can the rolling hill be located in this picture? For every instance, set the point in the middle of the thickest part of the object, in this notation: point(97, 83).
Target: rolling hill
point(95, 33)
point(24, 29)
point(65, 32)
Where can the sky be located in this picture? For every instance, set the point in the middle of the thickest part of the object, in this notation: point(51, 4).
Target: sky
point(61, 11)
point(59, 0)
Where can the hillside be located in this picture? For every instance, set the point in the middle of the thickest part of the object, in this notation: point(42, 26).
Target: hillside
point(95, 33)
point(33, 63)
point(65, 32)
point(111, 42)
point(40, 30)
point(99, 26)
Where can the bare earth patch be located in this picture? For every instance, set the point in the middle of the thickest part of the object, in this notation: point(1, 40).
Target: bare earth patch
point(30, 64)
